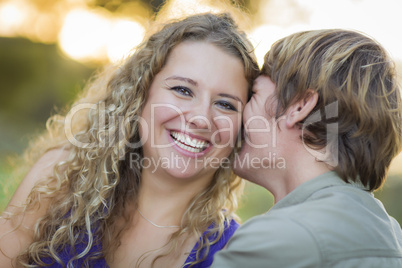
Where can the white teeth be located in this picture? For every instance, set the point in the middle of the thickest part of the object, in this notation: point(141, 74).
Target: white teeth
point(189, 141)
point(186, 142)
point(187, 148)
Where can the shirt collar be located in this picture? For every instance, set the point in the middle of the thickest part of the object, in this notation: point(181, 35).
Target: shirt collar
point(305, 190)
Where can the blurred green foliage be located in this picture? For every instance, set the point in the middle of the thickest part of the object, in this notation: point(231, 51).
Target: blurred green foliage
point(35, 78)
point(390, 195)
point(256, 200)
point(6, 191)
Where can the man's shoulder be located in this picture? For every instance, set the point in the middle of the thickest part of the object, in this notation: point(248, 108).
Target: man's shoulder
point(332, 201)
point(278, 221)
point(276, 232)
point(328, 204)
point(336, 210)
point(333, 226)
point(267, 240)
point(339, 220)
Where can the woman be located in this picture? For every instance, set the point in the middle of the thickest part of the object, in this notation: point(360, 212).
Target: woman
point(144, 181)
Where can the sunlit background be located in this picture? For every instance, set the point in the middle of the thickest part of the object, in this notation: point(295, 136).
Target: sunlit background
point(49, 48)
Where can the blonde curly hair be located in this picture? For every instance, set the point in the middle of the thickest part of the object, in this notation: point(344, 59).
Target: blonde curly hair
point(90, 190)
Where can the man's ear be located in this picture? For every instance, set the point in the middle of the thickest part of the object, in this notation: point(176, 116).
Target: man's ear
point(301, 109)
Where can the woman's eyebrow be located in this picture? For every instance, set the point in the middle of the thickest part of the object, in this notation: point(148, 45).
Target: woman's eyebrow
point(230, 96)
point(185, 79)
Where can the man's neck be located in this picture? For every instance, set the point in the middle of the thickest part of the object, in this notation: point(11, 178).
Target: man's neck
point(299, 169)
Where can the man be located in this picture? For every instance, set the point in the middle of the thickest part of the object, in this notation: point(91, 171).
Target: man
point(327, 104)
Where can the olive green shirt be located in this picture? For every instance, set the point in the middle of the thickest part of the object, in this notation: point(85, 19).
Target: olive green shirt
point(324, 222)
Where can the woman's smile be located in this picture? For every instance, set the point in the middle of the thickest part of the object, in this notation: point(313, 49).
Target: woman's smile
point(188, 145)
point(186, 142)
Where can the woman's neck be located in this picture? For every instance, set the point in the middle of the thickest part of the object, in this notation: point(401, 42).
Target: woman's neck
point(164, 199)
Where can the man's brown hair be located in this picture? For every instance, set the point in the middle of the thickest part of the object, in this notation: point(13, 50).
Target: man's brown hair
point(358, 94)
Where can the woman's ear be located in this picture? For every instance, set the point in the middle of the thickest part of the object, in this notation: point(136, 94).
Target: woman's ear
point(301, 109)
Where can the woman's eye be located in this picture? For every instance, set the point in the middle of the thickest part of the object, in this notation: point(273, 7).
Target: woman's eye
point(226, 105)
point(183, 91)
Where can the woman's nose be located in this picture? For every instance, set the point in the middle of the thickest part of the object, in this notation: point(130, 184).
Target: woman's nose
point(199, 117)
point(199, 122)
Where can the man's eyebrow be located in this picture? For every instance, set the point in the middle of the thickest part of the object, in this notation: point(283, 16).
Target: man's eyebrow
point(231, 96)
point(185, 79)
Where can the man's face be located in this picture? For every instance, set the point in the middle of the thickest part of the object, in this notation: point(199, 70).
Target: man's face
point(259, 149)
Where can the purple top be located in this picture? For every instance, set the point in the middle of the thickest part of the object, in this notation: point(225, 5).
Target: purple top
point(67, 253)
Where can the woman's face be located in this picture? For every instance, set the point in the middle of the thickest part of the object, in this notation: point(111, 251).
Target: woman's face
point(193, 112)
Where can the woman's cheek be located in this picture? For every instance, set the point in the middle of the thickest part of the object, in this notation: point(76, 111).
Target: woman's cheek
point(227, 131)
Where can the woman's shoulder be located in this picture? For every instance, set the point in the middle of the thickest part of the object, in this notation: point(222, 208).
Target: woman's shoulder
point(16, 226)
point(230, 226)
point(42, 169)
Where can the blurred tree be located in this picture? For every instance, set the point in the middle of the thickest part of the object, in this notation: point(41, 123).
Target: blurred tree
point(390, 195)
point(45, 5)
point(35, 78)
point(255, 201)
point(114, 5)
